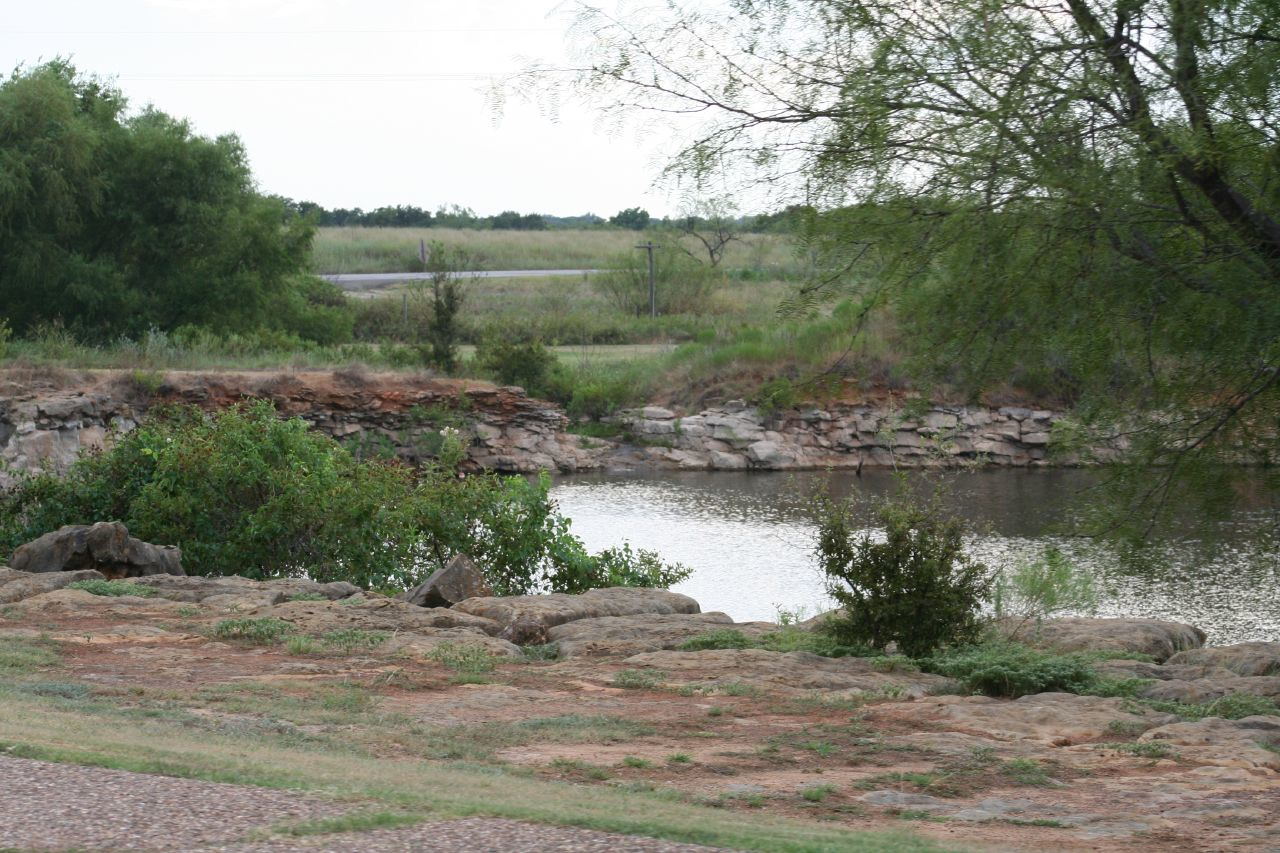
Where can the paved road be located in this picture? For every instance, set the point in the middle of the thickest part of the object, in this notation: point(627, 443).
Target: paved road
point(375, 280)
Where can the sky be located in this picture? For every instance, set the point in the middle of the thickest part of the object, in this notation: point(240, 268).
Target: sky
point(360, 103)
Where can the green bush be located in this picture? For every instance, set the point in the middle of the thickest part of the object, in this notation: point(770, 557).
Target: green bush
point(720, 638)
point(263, 631)
point(916, 588)
point(243, 492)
point(1233, 706)
point(529, 365)
point(112, 588)
point(1002, 668)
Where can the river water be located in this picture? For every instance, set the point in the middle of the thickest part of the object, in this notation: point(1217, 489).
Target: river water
point(749, 541)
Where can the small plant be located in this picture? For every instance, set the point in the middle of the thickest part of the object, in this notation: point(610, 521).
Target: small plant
point(1233, 706)
point(916, 588)
point(679, 758)
point(306, 596)
point(546, 651)
point(1025, 771)
point(893, 663)
point(1040, 588)
point(637, 679)
point(636, 762)
point(715, 711)
point(1127, 728)
point(187, 611)
point(300, 645)
point(349, 640)
point(817, 793)
point(464, 658)
point(1144, 749)
point(112, 588)
point(821, 747)
point(720, 638)
point(1003, 668)
point(738, 688)
point(259, 631)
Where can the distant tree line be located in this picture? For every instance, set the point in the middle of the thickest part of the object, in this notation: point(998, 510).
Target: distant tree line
point(456, 216)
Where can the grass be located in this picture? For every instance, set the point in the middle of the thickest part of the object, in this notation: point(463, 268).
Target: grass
point(21, 657)
point(464, 658)
point(817, 793)
point(112, 588)
point(38, 728)
point(787, 638)
point(637, 679)
point(1144, 749)
point(257, 631)
point(355, 249)
point(350, 640)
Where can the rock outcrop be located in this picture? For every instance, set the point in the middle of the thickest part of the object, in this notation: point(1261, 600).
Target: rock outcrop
point(459, 580)
point(525, 619)
point(1158, 639)
point(105, 547)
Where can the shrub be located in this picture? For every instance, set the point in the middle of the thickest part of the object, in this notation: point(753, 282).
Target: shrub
point(529, 365)
point(721, 638)
point(244, 492)
point(1002, 668)
point(1040, 588)
point(112, 588)
point(916, 588)
point(637, 679)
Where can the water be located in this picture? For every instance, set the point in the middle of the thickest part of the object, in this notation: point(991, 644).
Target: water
point(750, 543)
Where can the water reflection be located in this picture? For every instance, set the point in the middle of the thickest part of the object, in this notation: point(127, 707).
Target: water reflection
point(750, 542)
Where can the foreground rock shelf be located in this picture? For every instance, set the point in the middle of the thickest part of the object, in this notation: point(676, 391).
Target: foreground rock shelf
point(865, 742)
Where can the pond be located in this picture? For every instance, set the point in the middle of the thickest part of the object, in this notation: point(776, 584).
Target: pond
point(749, 541)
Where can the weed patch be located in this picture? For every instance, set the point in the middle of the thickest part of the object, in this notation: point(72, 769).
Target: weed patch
point(637, 679)
point(112, 588)
point(259, 631)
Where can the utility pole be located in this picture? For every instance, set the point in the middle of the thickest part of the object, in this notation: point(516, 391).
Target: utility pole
point(653, 283)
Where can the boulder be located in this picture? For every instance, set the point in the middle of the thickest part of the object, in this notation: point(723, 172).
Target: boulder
point(1247, 659)
point(459, 580)
point(105, 547)
point(16, 585)
point(788, 672)
point(525, 619)
point(630, 635)
point(1203, 690)
point(1160, 640)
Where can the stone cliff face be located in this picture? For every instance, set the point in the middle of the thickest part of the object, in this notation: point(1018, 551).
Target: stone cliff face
point(48, 418)
point(739, 437)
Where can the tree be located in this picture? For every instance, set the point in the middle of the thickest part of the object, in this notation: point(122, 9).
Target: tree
point(115, 223)
point(635, 218)
point(712, 223)
point(1080, 195)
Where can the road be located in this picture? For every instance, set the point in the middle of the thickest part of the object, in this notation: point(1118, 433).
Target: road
point(375, 280)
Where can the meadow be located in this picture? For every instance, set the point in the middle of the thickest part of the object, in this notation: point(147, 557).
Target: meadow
point(352, 250)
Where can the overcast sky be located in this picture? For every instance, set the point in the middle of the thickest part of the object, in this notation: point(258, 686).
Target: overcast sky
point(358, 103)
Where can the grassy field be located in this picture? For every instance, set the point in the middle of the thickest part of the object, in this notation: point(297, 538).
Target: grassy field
point(351, 250)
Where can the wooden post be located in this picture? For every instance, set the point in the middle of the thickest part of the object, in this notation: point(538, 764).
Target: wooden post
point(653, 283)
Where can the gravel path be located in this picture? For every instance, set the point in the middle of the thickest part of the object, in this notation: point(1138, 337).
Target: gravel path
point(45, 806)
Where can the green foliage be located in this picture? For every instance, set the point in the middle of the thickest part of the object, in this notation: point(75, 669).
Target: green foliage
point(1233, 706)
point(682, 284)
point(464, 658)
point(720, 638)
point(1144, 749)
point(529, 365)
point(112, 588)
point(916, 588)
point(244, 492)
point(262, 631)
point(634, 218)
point(1002, 668)
point(1040, 588)
point(637, 679)
point(817, 793)
point(19, 656)
point(115, 222)
point(348, 640)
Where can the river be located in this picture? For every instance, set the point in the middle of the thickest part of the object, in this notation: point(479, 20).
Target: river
point(749, 541)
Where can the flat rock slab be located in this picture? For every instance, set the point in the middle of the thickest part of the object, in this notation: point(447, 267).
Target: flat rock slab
point(631, 635)
point(1245, 743)
point(786, 671)
point(1053, 719)
point(373, 614)
point(1161, 640)
point(525, 619)
point(197, 589)
point(17, 586)
point(1247, 659)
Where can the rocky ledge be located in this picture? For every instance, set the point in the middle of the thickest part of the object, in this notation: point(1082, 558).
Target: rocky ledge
point(862, 741)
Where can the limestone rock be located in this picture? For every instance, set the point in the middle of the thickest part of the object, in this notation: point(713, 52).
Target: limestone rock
point(1055, 719)
point(199, 589)
point(16, 585)
point(374, 614)
point(106, 547)
point(786, 671)
point(1161, 640)
point(630, 635)
point(1227, 743)
point(1248, 659)
point(526, 618)
point(459, 580)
